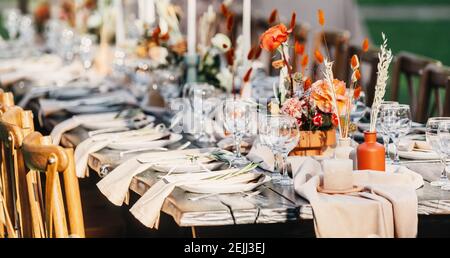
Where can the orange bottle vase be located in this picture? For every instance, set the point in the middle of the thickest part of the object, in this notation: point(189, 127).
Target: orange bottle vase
point(371, 154)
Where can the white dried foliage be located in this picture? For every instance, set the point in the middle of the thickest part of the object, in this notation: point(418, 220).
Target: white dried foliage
point(329, 77)
point(385, 58)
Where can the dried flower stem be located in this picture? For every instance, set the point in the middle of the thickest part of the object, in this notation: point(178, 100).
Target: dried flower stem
point(385, 58)
point(328, 74)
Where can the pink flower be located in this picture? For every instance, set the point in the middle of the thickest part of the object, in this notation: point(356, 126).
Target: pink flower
point(292, 107)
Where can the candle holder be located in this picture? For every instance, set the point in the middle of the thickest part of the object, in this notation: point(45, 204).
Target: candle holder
point(191, 64)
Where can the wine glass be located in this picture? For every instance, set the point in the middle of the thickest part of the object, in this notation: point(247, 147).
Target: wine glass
point(67, 44)
point(444, 141)
point(397, 120)
point(382, 130)
point(282, 133)
point(86, 51)
point(168, 81)
point(200, 96)
point(12, 22)
point(236, 115)
point(432, 136)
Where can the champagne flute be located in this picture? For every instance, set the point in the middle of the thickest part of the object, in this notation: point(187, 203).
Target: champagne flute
point(432, 131)
point(236, 114)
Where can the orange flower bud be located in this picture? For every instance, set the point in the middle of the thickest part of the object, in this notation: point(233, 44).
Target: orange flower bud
point(354, 62)
point(305, 61)
point(357, 92)
point(273, 16)
point(299, 48)
point(318, 56)
point(321, 17)
point(365, 45)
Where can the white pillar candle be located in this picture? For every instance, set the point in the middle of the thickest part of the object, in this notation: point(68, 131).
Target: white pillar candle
point(246, 26)
point(337, 174)
point(150, 12)
point(141, 10)
point(120, 26)
point(192, 17)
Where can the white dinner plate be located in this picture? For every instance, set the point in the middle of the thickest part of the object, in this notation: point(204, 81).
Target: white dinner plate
point(418, 155)
point(110, 122)
point(235, 185)
point(91, 109)
point(186, 167)
point(143, 142)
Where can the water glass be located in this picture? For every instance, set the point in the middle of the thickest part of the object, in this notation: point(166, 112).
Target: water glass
point(382, 130)
point(433, 139)
point(444, 141)
point(236, 115)
point(281, 133)
point(396, 120)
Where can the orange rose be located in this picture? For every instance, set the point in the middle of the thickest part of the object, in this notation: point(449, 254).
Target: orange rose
point(322, 98)
point(272, 38)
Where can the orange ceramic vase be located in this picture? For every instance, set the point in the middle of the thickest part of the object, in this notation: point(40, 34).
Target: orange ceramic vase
point(370, 153)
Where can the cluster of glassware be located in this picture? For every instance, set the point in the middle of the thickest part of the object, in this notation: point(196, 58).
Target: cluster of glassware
point(20, 31)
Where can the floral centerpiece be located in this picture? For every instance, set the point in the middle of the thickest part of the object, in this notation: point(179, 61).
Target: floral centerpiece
point(221, 56)
point(164, 43)
point(318, 107)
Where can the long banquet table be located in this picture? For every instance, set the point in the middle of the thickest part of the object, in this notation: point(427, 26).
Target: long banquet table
point(273, 204)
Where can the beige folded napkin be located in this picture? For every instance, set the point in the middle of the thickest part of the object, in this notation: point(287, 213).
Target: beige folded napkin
point(262, 154)
point(115, 185)
point(386, 208)
point(411, 145)
point(76, 121)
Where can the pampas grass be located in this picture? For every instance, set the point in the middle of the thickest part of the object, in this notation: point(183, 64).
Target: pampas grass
point(385, 58)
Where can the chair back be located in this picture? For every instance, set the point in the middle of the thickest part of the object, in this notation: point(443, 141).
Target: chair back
point(40, 155)
point(368, 67)
point(6, 100)
point(435, 80)
point(335, 43)
point(410, 66)
point(15, 124)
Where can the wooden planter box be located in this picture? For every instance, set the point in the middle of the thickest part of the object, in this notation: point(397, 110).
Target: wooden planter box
point(314, 143)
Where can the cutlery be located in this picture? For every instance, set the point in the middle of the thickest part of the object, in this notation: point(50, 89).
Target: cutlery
point(123, 153)
point(196, 198)
point(422, 161)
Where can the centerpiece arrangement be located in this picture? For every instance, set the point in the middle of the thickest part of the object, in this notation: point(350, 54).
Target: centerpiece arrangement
point(320, 107)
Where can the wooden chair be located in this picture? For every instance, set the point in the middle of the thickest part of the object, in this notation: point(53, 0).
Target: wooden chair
point(411, 67)
point(15, 124)
point(335, 43)
point(433, 80)
point(6, 100)
point(367, 60)
point(40, 155)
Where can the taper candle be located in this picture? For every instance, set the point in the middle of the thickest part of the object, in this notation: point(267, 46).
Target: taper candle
point(192, 17)
point(246, 26)
point(120, 26)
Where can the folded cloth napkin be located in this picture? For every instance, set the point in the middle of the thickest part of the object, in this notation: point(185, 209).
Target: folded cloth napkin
point(387, 207)
point(115, 185)
point(262, 154)
point(410, 145)
point(76, 121)
point(100, 141)
point(147, 208)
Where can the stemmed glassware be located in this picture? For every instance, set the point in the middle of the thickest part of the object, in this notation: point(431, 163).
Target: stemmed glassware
point(433, 137)
point(87, 51)
point(381, 127)
point(201, 98)
point(237, 115)
point(281, 133)
point(444, 141)
point(12, 23)
point(396, 120)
